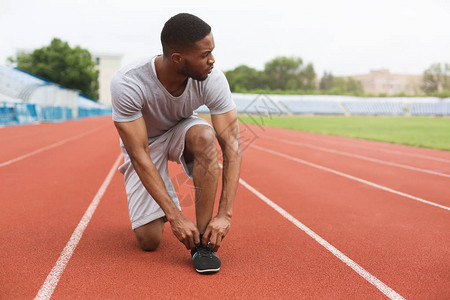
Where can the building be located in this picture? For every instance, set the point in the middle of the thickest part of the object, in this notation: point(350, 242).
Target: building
point(383, 82)
point(107, 64)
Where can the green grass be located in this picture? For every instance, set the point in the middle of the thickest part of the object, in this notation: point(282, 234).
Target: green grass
point(426, 132)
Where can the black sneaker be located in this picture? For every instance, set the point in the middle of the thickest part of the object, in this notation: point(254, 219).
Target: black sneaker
point(205, 261)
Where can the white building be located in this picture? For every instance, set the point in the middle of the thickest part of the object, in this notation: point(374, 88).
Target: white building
point(107, 64)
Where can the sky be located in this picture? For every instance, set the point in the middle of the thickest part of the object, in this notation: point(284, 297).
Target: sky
point(345, 37)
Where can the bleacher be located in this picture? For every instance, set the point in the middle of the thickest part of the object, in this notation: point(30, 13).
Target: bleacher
point(435, 108)
point(253, 104)
point(25, 98)
point(340, 105)
point(313, 107)
point(367, 107)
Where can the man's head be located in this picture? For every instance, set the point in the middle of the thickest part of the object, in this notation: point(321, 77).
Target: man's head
point(188, 42)
point(181, 32)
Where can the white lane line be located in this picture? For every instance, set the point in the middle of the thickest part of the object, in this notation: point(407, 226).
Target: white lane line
point(414, 155)
point(390, 293)
point(8, 162)
point(359, 157)
point(350, 177)
point(53, 277)
point(376, 148)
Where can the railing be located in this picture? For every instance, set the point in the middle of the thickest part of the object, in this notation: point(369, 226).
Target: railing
point(25, 113)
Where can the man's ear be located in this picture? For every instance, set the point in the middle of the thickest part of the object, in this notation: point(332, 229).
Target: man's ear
point(177, 58)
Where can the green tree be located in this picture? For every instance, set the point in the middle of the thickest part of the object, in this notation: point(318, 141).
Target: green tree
point(244, 78)
point(326, 81)
point(308, 77)
point(436, 78)
point(72, 68)
point(288, 73)
point(354, 87)
point(340, 85)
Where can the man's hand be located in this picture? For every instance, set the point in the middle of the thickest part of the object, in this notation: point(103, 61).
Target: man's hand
point(216, 231)
point(185, 231)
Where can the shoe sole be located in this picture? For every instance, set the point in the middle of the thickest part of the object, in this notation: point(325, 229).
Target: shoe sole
point(208, 270)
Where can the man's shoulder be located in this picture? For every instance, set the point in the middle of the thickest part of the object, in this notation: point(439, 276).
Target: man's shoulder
point(215, 79)
point(137, 65)
point(136, 70)
point(217, 74)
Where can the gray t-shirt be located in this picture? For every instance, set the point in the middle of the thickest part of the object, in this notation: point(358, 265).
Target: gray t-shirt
point(137, 92)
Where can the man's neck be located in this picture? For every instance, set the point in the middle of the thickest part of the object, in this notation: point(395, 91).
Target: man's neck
point(174, 82)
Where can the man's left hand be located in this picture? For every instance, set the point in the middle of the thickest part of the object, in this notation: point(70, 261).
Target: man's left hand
point(216, 231)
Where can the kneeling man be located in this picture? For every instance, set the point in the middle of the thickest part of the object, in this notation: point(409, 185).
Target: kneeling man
point(153, 110)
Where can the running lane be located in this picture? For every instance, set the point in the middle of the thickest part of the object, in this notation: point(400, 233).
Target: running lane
point(435, 160)
point(44, 196)
point(263, 256)
point(402, 242)
point(431, 187)
point(22, 140)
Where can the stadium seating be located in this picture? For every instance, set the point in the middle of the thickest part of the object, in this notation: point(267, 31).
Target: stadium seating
point(367, 107)
point(313, 107)
point(253, 104)
point(436, 108)
point(25, 98)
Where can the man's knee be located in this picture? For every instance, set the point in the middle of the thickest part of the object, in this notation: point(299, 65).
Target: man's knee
point(149, 243)
point(149, 236)
point(202, 143)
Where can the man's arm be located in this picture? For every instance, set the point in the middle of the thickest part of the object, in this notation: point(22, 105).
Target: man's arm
point(227, 130)
point(135, 140)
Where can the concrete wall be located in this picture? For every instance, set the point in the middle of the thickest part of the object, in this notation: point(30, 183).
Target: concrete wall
point(107, 65)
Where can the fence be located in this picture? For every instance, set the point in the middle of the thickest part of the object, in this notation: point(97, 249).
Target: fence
point(25, 113)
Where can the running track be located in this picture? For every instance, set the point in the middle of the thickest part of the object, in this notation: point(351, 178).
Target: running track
point(315, 217)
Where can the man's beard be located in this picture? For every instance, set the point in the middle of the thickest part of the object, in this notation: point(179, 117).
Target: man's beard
point(187, 70)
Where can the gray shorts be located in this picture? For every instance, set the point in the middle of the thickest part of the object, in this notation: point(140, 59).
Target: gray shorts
point(142, 208)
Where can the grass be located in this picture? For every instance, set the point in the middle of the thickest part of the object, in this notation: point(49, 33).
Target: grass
point(428, 132)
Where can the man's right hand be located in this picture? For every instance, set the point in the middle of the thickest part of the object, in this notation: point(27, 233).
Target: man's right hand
point(185, 231)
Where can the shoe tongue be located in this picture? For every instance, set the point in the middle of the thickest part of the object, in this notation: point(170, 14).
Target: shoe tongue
point(204, 251)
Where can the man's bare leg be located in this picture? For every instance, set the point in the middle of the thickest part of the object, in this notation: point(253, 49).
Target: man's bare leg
point(149, 235)
point(201, 150)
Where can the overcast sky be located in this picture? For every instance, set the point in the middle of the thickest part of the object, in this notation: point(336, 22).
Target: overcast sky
point(346, 37)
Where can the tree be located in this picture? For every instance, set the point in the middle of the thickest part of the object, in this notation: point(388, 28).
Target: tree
point(288, 73)
point(436, 78)
point(308, 77)
point(72, 68)
point(244, 78)
point(326, 81)
point(354, 87)
point(340, 85)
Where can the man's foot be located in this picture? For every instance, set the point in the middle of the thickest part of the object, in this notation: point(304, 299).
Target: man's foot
point(205, 261)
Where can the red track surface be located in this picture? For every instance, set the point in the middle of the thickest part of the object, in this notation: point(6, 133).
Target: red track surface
point(402, 242)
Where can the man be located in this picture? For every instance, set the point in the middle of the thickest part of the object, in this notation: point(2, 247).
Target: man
point(153, 103)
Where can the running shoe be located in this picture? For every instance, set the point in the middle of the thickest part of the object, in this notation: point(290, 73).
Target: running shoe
point(205, 260)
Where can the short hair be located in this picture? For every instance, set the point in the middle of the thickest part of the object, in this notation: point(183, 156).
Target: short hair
point(182, 31)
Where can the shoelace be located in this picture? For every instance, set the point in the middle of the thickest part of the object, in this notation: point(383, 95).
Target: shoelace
point(204, 251)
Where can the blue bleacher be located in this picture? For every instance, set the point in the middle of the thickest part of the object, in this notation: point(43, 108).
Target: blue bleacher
point(258, 104)
point(7, 114)
point(252, 104)
point(431, 108)
point(313, 107)
point(366, 107)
